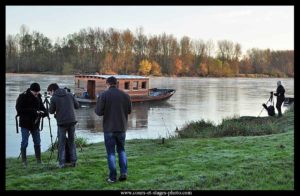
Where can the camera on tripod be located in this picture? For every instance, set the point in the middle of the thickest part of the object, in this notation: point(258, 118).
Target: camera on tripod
point(40, 113)
point(46, 95)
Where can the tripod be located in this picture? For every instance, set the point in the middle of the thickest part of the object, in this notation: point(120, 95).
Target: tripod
point(47, 103)
point(269, 100)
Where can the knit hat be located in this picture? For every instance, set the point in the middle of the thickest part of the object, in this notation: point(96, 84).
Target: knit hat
point(35, 87)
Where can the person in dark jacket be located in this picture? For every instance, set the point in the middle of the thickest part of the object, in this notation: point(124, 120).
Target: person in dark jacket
point(63, 103)
point(30, 109)
point(280, 97)
point(114, 105)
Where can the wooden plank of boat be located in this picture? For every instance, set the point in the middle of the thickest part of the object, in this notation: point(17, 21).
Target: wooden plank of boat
point(154, 95)
point(85, 101)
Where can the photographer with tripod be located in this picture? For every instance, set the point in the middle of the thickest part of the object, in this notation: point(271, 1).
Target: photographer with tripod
point(30, 109)
point(280, 97)
point(63, 103)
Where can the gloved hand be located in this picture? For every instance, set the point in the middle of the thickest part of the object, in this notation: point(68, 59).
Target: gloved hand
point(41, 113)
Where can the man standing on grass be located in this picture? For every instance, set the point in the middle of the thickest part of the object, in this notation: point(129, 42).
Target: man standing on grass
point(63, 103)
point(280, 97)
point(114, 105)
point(30, 109)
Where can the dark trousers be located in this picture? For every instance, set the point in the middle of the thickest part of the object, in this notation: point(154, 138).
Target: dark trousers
point(61, 133)
point(278, 106)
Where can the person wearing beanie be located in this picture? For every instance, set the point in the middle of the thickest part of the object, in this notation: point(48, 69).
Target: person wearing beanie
point(280, 97)
point(30, 109)
point(35, 87)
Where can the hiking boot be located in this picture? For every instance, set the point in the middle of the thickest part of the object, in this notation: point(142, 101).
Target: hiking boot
point(123, 177)
point(110, 180)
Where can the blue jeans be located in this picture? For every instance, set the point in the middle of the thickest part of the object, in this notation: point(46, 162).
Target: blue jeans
point(35, 137)
point(61, 134)
point(113, 141)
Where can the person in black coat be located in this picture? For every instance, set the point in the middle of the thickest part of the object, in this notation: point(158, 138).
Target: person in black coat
point(114, 105)
point(30, 109)
point(280, 97)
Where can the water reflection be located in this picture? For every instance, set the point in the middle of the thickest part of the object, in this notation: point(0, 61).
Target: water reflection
point(87, 119)
point(138, 119)
point(140, 113)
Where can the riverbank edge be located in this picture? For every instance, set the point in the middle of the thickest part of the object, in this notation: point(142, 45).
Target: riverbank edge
point(263, 162)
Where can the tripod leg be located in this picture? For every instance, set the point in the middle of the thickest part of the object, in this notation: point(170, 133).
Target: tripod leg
point(42, 124)
point(270, 99)
point(261, 112)
point(51, 137)
point(52, 149)
point(50, 130)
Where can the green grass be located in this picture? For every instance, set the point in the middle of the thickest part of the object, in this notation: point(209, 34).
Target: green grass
point(238, 126)
point(261, 162)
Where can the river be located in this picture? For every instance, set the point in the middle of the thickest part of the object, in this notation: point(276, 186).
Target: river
point(196, 98)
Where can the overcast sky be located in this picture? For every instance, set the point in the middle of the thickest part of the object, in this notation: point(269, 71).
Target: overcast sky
point(251, 26)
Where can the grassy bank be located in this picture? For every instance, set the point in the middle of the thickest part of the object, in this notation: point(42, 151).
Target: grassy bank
point(239, 126)
point(260, 162)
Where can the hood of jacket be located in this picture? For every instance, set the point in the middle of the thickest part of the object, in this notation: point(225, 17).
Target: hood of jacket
point(60, 92)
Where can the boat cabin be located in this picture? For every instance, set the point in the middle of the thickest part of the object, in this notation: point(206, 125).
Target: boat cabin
point(90, 86)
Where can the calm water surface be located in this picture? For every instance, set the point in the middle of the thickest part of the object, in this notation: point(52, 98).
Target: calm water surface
point(195, 98)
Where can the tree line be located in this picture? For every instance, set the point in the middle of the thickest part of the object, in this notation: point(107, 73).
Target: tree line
point(113, 51)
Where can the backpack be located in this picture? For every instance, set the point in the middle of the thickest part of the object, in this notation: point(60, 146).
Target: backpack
point(270, 109)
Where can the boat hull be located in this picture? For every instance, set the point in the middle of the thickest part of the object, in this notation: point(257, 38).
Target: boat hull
point(154, 95)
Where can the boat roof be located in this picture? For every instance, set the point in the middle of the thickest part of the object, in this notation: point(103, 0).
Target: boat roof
point(116, 76)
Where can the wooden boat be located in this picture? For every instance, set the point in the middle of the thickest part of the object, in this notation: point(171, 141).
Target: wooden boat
point(89, 87)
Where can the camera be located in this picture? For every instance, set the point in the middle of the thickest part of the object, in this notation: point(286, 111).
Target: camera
point(40, 113)
point(67, 89)
point(46, 95)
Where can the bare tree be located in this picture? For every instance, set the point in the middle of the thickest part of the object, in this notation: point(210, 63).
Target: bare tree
point(210, 46)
